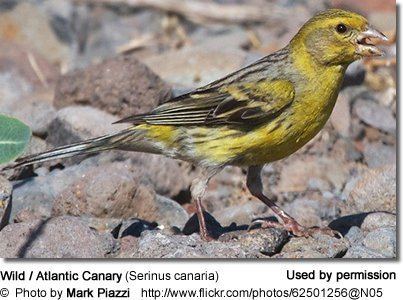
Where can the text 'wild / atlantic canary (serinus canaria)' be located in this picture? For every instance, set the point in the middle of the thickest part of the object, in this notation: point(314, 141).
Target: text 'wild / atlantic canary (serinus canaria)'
point(257, 115)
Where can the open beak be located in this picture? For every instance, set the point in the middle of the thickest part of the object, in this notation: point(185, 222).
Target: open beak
point(364, 39)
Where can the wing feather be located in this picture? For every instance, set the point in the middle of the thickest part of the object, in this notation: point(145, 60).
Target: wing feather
point(235, 104)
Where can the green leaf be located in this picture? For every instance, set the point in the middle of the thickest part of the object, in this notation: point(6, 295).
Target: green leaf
point(14, 138)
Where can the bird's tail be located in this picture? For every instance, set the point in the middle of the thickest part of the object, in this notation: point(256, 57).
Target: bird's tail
point(106, 142)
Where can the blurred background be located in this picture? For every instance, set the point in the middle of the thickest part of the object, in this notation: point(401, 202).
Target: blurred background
point(71, 68)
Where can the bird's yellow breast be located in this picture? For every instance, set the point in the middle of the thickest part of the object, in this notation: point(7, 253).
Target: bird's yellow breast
point(278, 138)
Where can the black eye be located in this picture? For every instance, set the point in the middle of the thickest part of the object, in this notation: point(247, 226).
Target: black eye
point(341, 28)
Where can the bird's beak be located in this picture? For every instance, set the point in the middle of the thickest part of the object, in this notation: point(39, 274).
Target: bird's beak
point(364, 39)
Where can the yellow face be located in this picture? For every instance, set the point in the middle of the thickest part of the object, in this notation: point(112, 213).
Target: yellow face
point(338, 37)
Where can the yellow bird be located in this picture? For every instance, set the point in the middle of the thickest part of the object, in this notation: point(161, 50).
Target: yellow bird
point(257, 115)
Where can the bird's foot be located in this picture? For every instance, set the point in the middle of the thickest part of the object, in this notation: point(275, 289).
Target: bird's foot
point(306, 232)
point(324, 230)
point(264, 224)
point(205, 236)
point(296, 229)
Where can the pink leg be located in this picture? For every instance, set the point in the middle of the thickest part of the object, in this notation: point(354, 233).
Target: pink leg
point(197, 190)
point(254, 183)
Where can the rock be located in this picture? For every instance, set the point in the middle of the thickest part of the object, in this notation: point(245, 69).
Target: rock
point(311, 212)
point(16, 60)
point(36, 145)
point(378, 220)
point(26, 215)
point(359, 251)
point(19, 83)
point(375, 191)
point(378, 155)
point(340, 117)
point(64, 19)
point(62, 237)
point(114, 191)
point(196, 66)
point(295, 176)
point(101, 225)
point(38, 193)
point(240, 214)
point(127, 245)
point(29, 26)
point(352, 181)
point(318, 246)
point(76, 123)
point(366, 7)
point(273, 38)
point(382, 240)
point(265, 241)
point(343, 150)
point(319, 184)
point(354, 235)
point(61, 8)
point(132, 227)
point(8, 4)
point(112, 29)
point(387, 97)
point(155, 244)
point(107, 191)
point(383, 20)
point(12, 87)
point(168, 176)
point(159, 209)
point(169, 213)
point(375, 115)
point(5, 201)
point(121, 86)
point(226, 189)
point(36, 111)
point(234, 37)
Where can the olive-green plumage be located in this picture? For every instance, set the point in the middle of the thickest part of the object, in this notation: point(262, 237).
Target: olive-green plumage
point(254, 116)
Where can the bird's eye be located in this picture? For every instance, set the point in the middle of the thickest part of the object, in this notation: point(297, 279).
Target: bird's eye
point(341, 28)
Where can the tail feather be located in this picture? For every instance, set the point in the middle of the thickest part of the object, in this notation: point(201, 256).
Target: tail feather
point(91, 146)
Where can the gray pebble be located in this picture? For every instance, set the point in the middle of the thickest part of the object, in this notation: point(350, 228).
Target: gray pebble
point(359, 251)
point(354, 235)
point(382, 240)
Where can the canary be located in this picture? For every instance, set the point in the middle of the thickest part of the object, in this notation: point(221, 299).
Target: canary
point(257, 115)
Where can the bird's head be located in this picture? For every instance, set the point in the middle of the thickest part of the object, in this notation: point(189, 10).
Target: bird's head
point(338, 37)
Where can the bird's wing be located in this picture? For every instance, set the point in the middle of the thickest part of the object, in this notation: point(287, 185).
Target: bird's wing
point(235, 104)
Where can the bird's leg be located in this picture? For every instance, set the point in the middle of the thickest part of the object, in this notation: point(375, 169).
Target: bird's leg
point(197, 189)
point(204, 234)
point(254, 183)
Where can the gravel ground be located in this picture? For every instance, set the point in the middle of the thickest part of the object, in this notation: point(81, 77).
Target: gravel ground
point(70, 70)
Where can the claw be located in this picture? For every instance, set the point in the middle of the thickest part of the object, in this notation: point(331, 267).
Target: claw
point(296, 229)
point(264, 224)
point(207, 238)
point(324, 230)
